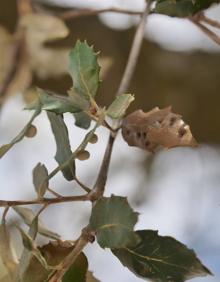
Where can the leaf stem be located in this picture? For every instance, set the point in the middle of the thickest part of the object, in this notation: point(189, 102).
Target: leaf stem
point(212, 35)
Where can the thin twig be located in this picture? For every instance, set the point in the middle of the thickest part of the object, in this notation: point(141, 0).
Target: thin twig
point(134, 53)
point(88, 12)
point(209, 21)
point(86, 236)
point(47, 201)
point(213, 36)
point(83, 186)
point(99, 186)
point(128, 73)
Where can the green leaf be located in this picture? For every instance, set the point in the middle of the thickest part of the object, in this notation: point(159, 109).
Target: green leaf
point(7, 253)
point(40, 179)
point(54, 103)
point(114, 220)
point(161, 259)
point(5, 148)
point(182, 8)
point(54, 253)
point(119, 106)
point(77, 271)
point(28, 217)
point(82, 120)
point(84, 69)
point(63, 152)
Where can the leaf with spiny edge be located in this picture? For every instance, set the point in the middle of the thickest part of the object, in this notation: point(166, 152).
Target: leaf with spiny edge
point(161, 259)
point(113, 220)
point(84, 70)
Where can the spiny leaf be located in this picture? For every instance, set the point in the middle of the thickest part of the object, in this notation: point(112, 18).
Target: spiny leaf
point(158, 127)
point(63, 152)
point(161, 259)
point(28, 217)
point(54, 103)
point(40, 179)
point(84, 69)
point(114, 220)
point(7, 253)
point(5, 148)
point(118, 108)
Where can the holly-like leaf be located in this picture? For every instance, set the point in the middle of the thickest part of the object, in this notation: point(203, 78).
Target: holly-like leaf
point(119, 106)
point(5, 148)
point(156, 128)
point(54, 103)
point(54, 253)
point(113, 220)
point(7, 252)
point(161, 259)
point(84, 69)
point(63, 152)
point(40, 179)
point(28, 217)
point(182, 8)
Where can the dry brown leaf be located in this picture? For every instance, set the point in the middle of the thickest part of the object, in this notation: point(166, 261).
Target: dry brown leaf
point(5, 53)
point(158, 127)
point(39, 29)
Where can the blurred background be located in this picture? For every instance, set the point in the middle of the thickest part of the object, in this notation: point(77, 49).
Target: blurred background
point(175, 191)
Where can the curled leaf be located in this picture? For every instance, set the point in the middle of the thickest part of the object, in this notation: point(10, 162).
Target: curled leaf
point(156, 128)
point(40, 179)
point(119, 106)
